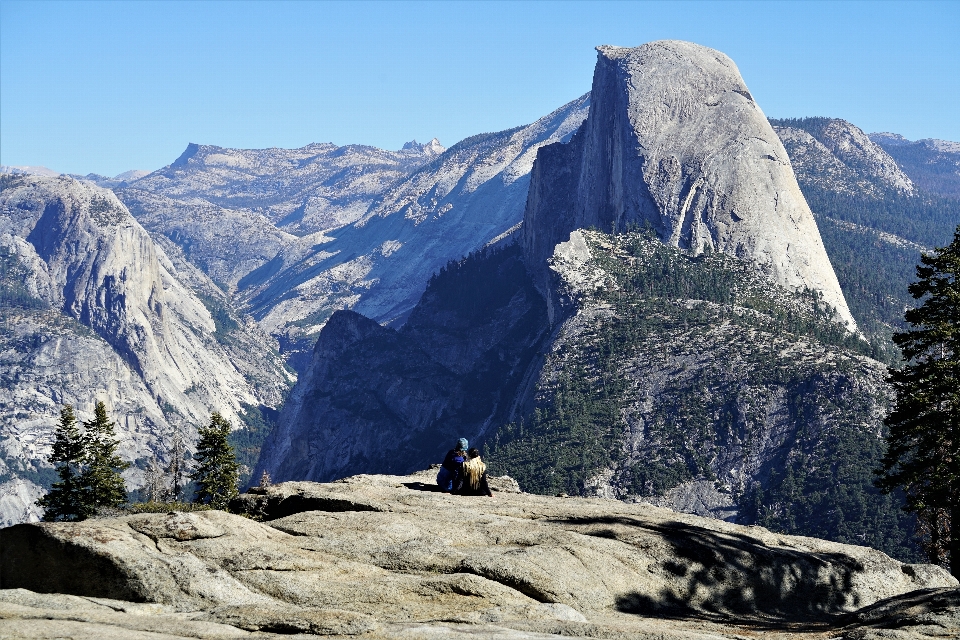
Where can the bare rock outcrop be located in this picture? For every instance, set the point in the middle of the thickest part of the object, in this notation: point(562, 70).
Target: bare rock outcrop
point(675, 140)
point(380, 556)
point(836, 156)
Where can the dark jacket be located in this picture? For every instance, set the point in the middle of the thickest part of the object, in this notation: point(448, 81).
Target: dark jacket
point(453, 462)
point(460, 487)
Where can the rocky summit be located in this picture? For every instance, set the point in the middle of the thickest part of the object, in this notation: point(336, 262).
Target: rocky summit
point(388, 557)
point(675, 140)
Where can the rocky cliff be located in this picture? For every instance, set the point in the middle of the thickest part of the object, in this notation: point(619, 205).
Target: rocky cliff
point(674, 140)
point(376, 398)
point(383, 557)
point(95, 310)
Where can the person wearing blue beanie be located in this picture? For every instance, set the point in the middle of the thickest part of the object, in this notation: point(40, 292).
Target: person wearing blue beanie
point(452, 467)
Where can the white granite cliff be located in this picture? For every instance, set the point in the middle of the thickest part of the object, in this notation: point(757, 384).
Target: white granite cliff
point(675, 140)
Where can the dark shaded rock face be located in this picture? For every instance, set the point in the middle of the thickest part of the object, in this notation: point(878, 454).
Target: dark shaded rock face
point(380, 400)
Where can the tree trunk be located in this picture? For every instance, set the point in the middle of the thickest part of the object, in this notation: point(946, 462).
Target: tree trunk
point(955, 540)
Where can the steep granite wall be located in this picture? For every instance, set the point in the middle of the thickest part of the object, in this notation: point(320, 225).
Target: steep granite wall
point(675, 140)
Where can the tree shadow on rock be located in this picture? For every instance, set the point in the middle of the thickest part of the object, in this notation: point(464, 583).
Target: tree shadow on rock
point(719, 575)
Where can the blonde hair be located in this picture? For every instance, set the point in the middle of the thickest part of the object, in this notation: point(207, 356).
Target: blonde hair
point(473, 470)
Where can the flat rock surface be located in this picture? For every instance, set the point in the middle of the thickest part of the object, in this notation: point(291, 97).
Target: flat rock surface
point(389, 557)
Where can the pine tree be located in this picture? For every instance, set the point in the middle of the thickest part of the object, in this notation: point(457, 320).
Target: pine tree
point(217, 472)
point(102, 477)
point(68, 498)
point(923, 446)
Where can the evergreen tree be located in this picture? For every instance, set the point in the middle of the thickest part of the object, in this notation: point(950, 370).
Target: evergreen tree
point(68, 498)
point(217, 472)
point(923, 447)
point(102, 479)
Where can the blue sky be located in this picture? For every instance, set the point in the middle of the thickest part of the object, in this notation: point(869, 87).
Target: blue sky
point(106, 87)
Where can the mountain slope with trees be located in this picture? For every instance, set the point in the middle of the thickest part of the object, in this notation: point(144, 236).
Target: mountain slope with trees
point(696, 383)
point(96, 311)
point(875, 220)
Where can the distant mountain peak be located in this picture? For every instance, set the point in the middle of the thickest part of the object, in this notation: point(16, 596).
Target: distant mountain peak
point(433, 148)
point(131, 175)
point(897, 140)
point(29, 170)
point(887, 138)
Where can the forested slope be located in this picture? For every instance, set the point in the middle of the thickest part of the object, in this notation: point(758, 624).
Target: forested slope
point(697, 383)
point(876, 211)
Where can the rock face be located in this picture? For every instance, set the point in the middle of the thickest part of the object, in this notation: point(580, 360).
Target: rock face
point(380, 556)
point(674, 140)
point(94, 310)
point(375, 398)
point(836, 156)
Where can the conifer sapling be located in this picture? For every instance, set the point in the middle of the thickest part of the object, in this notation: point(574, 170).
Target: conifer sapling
point(102, 477)
point(217, 472)
point(67, 499)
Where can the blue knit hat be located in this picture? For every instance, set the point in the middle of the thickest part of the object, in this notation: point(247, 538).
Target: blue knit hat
point(462, 444)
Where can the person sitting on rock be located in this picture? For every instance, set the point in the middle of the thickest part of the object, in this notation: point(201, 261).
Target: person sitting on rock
point(473, 479)
point(452, 467)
